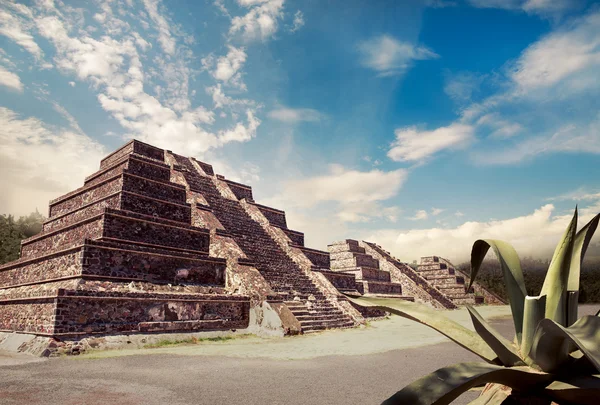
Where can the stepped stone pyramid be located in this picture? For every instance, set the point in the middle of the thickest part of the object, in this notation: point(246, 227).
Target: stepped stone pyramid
point(157, 242)
point(109, 254)
point(436, 282)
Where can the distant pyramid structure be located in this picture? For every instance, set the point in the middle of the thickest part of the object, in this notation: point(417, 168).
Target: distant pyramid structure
point(436, 282)
point(157, 242)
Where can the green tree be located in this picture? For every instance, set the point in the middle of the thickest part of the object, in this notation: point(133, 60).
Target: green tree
point(12, 232)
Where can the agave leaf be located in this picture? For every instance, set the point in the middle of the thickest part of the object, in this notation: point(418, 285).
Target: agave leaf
point(583, 390)
point(572, 306)
point(582, 241)
point(513, 275)
point(532, 315)
point(555, 283)
point(495, 395)
point(553, 342)
point(432, 318)
point(502, 347)
point(446, 384)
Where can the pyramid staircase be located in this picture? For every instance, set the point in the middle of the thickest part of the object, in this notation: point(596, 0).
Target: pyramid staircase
point(225, 199)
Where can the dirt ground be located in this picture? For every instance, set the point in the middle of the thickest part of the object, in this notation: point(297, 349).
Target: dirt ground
point(364, 365)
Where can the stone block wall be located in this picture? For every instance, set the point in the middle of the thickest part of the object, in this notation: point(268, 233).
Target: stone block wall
point(122, 313)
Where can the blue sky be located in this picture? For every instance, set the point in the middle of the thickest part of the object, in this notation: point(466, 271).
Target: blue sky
point(419, 125)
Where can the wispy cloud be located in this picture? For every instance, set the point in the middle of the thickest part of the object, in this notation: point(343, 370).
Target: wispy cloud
point(10, 80)
point(389, 56)
point(298, 21)
point(295, 115)
point(414, 145)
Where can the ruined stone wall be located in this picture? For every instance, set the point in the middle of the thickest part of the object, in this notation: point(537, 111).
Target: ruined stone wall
point(180, 212)
point(135, 228)
point(48, 267)
point(28, 315)
point(38, 245)
point(152, 267)
point(94, 312)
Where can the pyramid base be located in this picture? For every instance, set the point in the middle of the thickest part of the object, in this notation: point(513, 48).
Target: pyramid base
point(71, 312)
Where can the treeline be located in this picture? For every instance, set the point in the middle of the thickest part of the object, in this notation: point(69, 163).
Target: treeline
point(534, 272)
point(13, 231)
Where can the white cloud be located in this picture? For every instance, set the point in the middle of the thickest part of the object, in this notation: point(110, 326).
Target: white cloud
point(412, 144)
point(39, 163)
point(298, 21)
point(241, 132)
point(389, 56)
point(419, 215)
point(561, 54)
point(499, 127)
point(261, 21)
point(10, 80)
point(165, 38)
point(459, 214)
point(228, 67)
point(295, 115)
point(113, 64)
point(15, 29)
point(535, 234)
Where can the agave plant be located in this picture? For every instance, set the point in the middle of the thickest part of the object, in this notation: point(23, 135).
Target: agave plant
point(554, 358)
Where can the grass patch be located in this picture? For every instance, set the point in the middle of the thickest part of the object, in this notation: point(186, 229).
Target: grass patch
point(190, 341)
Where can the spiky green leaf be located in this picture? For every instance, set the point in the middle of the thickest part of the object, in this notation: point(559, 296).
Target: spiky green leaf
point(502, 347)
point(572, 307)
point(446, 384)
point(511, 269)
point(432, 318)
point(583, 390)
point(582, 241)
point(553, 342)
point(555, 283)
